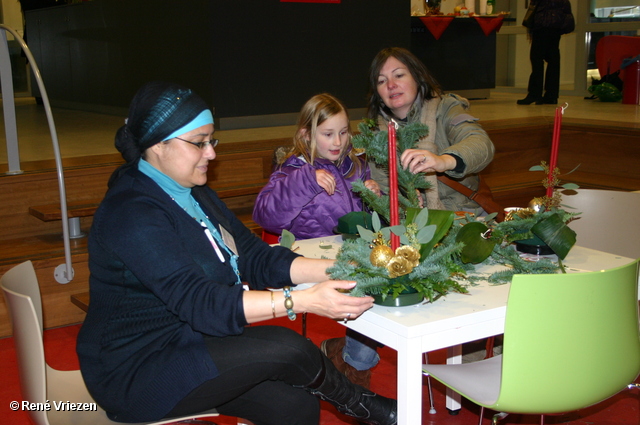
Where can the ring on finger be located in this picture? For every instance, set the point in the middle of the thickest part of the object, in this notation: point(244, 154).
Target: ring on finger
point(347, 318)
point(423, 159)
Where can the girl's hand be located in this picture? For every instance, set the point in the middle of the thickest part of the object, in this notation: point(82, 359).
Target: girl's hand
point(326, 181)
point(325, 299)
point(423, 161)
point(373, 186)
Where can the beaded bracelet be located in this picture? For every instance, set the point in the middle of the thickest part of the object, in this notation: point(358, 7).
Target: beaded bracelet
point(273, 305)
point(288, 303)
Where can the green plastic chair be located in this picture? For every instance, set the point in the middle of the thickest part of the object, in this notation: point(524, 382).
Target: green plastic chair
point(570, 341)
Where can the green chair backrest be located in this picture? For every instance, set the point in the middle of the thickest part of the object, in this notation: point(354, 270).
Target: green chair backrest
point(570, 340)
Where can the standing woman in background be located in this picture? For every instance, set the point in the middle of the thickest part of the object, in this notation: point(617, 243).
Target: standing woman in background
point(551, 19)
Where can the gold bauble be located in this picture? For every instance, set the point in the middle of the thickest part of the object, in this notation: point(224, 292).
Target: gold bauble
point(399, 266)
point(410, 253)
point(537, 205)
point(380, 255)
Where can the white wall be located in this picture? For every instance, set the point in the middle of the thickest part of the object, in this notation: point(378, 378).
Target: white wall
point(12, 15)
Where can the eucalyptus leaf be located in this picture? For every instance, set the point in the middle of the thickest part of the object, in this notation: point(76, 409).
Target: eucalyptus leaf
point(375, 222)
point(386, 233)
point(422, 218)
point(490, 217)
point(365, 234)
point(287, 239)
point(536, 168)
point(476, 247)
point(426, 234)
point(556, 234)
point(398, 230)
point(404, 240)
point(570, 186)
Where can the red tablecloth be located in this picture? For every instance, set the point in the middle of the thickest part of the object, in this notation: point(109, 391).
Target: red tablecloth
point(438, 24)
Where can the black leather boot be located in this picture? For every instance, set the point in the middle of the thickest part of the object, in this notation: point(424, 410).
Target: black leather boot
point(352, 400)
point(529, 100)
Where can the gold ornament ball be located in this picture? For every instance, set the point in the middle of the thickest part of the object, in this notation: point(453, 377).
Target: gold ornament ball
point(381, 255)
point(536, 204)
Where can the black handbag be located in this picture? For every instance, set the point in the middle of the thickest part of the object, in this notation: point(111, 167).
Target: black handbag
point(528, 16)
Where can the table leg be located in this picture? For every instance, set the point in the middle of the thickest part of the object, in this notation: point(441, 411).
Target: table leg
point(409, 382)
point(454, 356)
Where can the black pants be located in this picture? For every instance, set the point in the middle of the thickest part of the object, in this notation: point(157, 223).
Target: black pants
point(545, 47)
point(259, 372)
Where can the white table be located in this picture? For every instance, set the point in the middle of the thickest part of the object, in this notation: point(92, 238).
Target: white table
point(447, 323)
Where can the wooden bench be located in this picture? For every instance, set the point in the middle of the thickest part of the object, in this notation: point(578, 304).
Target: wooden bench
point(78, 209)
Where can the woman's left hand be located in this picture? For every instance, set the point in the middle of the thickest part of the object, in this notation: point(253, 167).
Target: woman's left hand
point(327, 299)
point(373, 186)
point(423, 161)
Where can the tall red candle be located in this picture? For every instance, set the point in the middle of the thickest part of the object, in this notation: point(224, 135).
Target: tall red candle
point(555, 142)
point(393, 184)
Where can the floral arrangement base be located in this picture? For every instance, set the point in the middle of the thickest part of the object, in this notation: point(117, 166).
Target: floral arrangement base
point(534, 245)
point(403, 299)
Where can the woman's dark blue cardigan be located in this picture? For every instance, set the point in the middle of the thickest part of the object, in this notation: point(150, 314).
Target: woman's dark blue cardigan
point(156, 288)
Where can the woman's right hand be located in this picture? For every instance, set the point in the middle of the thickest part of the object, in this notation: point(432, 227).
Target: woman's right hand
point(325, 299)
point(326, 181)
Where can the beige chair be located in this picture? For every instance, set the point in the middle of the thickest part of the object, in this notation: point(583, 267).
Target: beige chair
point(608, 220)
point(40, 382)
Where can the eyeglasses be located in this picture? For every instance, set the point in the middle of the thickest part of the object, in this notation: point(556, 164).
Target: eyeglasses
point(202, 145)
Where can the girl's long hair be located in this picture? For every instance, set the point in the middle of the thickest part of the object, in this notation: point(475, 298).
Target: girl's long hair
point(315, 111)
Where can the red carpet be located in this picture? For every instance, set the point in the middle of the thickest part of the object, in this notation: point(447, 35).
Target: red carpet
point(623, 409)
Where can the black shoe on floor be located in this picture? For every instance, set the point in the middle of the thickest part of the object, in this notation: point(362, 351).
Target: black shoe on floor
point(529, 100)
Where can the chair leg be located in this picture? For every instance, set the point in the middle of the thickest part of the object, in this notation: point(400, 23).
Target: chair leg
point(541, 419)
point(432, 409)
point(489, 347)
point(497, 417)
point(481, 415)
point(304, 325)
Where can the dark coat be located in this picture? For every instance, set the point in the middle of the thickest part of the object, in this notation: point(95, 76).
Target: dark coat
point(294, 200)
point(553, 14)
point(156, 288)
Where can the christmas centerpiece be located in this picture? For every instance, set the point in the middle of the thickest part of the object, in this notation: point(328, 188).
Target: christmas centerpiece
point(414, 253)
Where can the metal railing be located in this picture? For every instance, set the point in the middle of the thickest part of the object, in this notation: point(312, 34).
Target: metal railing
point(64, 272)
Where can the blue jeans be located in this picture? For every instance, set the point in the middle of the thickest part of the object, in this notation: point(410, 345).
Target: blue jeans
point(360, 351)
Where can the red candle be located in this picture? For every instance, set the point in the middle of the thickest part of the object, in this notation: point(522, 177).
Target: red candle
point(393, 184)
point(555, 142)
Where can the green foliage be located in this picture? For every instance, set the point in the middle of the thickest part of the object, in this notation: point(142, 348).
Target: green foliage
point(477, 241)
point(375, 143)
point(287, 239)
point(432, 278)
point(449, 249)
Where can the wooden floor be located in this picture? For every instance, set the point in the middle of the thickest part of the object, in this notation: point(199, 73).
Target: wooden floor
point(82, 134)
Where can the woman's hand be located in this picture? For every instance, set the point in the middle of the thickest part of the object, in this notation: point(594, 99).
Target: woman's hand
point(373, 186)
point(423, 161)
point(325, 299)
point(326, 181)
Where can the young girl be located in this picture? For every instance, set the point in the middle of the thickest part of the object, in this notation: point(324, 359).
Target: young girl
point(307, 194)
point(311, 187)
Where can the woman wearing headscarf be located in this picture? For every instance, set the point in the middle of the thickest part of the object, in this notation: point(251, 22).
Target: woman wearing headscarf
point(166, 332)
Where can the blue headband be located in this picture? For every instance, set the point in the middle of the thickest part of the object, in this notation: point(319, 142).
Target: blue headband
point(205, 117)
